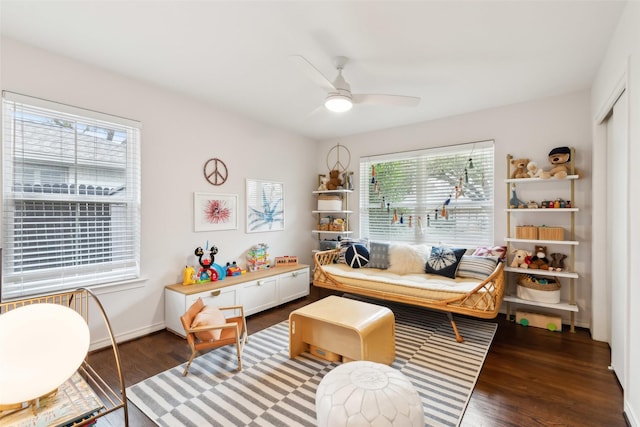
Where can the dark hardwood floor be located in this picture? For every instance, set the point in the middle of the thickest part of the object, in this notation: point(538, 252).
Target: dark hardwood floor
point(531, 377)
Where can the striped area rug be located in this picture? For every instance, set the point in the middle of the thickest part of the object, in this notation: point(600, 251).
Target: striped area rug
point(273, 390)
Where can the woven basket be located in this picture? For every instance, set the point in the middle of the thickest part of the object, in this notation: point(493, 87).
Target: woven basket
point(532, 282)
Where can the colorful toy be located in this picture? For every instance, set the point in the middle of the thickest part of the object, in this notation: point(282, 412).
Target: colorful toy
point(188, 275)
point(286, 260)
point(258, 257)
point(550, 322)
point(233, 269)
point(207, 270)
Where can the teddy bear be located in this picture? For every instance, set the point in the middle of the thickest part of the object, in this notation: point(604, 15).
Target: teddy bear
point(520, 168)
point(559, 158)
point(521, 258)
point(334, 180)
point(557, 261)
point(323, 183)
point(539, 260)
point(532, 169)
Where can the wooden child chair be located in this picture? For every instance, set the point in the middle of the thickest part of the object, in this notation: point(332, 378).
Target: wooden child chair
point(206, 328)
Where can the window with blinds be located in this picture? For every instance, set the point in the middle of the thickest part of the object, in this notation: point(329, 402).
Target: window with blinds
point(435, 196)
point(71, 197)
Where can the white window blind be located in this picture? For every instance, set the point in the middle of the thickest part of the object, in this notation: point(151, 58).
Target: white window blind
point(435, 196)
point(71, 197)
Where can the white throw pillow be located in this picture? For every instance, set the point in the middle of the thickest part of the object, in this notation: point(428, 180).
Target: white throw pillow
point(407, 259)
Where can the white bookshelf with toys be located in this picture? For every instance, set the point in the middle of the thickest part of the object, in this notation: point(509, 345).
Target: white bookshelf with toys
point(541, 241)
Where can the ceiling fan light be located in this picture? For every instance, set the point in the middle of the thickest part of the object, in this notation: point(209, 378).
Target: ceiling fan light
point(338, 103)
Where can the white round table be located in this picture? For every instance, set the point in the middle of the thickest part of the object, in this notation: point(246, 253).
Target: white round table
point(364, 393)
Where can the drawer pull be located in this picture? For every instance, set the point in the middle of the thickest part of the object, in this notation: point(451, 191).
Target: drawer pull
point(260, 283)
point(215, 293)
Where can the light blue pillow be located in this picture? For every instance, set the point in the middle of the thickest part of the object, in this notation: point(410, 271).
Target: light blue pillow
point(477, 267)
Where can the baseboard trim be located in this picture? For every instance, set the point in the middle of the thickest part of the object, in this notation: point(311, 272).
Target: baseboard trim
point(126, 336)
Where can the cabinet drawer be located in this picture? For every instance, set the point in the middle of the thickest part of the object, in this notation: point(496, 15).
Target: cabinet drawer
point(294, 285)
point(216, 298)
point(259, 295)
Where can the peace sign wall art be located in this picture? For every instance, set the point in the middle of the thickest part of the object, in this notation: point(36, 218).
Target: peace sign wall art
point(212, 212)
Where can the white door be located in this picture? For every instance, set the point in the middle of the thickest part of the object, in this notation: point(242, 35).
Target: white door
point(618, 232)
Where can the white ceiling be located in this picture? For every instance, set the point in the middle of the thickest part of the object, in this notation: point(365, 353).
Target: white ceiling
point(457, 56)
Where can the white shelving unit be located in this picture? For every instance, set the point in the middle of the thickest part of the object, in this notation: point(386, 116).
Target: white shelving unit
point(568, 219)
point(343, 214)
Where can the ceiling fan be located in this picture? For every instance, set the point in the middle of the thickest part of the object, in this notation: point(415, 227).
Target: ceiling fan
point(339, 97)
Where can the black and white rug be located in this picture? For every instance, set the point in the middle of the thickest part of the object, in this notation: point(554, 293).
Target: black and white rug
point(273, 390)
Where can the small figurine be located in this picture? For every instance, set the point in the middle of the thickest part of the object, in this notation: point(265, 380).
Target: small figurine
point(233, 269)
point(207, 272)
point(188, 275)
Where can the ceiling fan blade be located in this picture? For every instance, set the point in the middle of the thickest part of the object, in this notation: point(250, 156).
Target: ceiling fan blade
point(392, 100)
point(312, 72)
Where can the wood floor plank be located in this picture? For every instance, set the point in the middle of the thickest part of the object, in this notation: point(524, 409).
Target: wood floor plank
point(531, 377)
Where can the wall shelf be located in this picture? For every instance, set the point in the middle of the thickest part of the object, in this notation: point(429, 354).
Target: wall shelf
point(333, 214)
point(558, 306)
point(546, 242)
point(543, 210)
point(537, 272)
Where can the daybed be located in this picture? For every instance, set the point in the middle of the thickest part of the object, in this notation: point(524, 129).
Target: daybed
point(479, 297)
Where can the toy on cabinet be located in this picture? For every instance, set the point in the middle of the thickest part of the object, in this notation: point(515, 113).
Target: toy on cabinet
point(234, 270)
point(207, 271)
point(188, 275)
point(258, 257)
point(286, 260)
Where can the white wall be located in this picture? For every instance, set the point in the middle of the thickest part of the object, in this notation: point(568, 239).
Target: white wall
point(621, 67)
point(529, 130)
point(179, 134)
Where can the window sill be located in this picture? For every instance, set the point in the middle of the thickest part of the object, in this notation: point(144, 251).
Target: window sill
point(124, 285)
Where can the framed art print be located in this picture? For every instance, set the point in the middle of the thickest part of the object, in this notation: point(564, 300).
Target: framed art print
point(212, 212)
point(265, 206)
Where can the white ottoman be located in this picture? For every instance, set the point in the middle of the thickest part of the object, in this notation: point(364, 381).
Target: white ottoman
point(364, 393)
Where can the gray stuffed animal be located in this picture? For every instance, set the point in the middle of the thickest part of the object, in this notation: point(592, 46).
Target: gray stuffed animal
point(557, 262)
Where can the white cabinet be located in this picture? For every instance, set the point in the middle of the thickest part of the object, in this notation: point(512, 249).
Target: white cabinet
point(332, 217)
point(259, 295)
point(560, 216)
point(256, 291)
point(293, 285)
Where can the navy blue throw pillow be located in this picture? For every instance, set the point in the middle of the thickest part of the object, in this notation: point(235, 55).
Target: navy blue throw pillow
point(444, 261)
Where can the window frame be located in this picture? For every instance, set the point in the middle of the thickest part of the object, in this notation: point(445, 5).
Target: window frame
point(410, 215)
point(114, 160)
